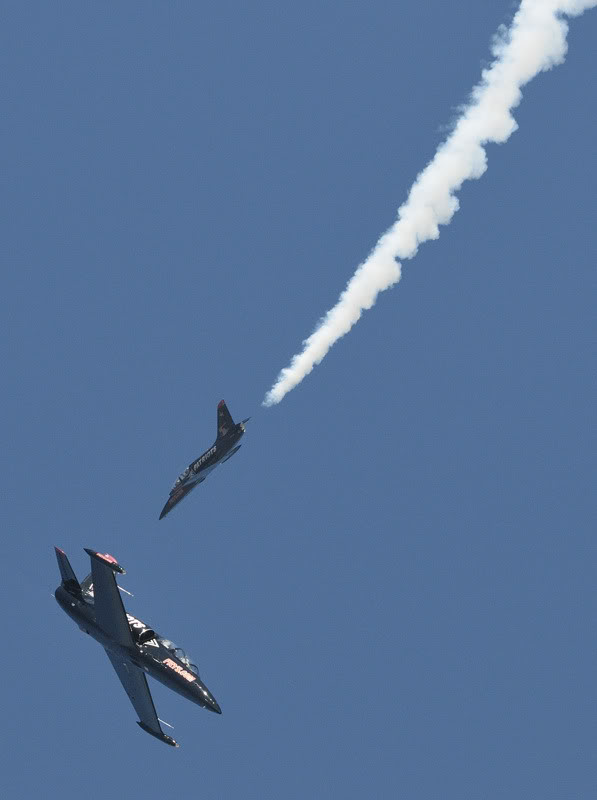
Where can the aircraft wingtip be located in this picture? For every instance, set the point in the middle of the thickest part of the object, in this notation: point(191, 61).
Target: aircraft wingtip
point(107, 559)
point(158, 734)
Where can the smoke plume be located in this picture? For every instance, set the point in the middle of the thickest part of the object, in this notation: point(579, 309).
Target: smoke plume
point(534, 42)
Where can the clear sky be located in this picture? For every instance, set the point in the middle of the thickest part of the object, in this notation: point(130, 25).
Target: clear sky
point(390, 589)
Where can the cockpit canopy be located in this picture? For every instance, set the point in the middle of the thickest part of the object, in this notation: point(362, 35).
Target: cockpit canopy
point(183, 476)
point(180, 654)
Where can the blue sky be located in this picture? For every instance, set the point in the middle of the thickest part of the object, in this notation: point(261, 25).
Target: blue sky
point(390, 589)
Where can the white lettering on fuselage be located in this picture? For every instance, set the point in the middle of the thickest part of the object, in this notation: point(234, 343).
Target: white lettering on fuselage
point(135, 623)
point(203, 458)
point(138, 625)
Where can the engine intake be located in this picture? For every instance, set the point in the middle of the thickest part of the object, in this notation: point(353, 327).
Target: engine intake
point(143, 636)
point(141, 633)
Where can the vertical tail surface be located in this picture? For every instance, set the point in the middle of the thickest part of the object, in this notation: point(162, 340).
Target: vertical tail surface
point(69, 579)
point(225, 421)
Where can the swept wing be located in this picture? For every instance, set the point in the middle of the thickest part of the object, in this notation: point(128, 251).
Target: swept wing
point(109, 611)
point(135, 685)
point(111, 616)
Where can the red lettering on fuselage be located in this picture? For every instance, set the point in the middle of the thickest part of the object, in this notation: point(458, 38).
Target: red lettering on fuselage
point(188, 676)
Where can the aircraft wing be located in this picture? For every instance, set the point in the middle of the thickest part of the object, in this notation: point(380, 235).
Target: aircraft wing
point(135, 685)
point(109, 611)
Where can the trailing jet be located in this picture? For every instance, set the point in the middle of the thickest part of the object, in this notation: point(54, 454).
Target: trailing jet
point(132, 646)
point(224, 447)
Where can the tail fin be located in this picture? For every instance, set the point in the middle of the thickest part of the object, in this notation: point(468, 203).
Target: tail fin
point(69, 579)
point(225, 421)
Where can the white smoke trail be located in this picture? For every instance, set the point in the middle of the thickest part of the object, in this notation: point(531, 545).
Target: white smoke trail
point(534, 42)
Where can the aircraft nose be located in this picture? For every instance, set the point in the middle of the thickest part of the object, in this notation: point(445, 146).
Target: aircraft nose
point(207, 699)
point(214, 706)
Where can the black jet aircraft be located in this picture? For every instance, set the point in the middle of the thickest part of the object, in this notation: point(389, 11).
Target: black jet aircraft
point(224, 447)
point(132, 646)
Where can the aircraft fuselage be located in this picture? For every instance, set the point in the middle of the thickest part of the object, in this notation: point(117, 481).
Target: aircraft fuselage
point(221, 450)
point(147, 654)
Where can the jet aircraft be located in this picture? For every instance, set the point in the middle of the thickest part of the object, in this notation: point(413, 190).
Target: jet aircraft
point(224, 447)
point(132, 646)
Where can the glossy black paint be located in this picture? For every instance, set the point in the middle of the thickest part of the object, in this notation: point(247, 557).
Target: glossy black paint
point(151, 657)
point(224, 447)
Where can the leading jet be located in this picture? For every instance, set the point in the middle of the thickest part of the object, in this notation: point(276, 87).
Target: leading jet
point(224, 447)
point(132, 646)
